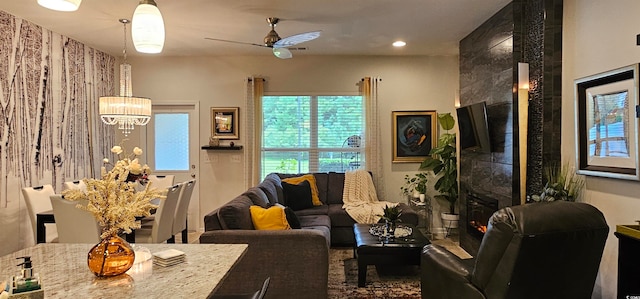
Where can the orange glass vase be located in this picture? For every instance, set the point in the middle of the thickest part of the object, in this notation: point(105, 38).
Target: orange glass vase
point(112, 256)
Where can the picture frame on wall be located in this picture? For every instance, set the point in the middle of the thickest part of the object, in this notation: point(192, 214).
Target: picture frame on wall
point(224, 123)
point(415, 133)
point(607, 124)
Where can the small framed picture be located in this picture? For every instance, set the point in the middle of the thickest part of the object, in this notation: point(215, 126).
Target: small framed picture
point(607, 124)
point(224, 123)
point(414, 135)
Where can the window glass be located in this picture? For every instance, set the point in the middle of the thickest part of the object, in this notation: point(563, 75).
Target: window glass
point(312, 134)
point(171, 141)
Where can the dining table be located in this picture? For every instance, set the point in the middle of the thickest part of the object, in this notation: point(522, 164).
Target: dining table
point(64, 273)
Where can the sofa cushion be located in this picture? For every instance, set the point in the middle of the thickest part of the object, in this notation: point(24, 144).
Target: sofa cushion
point(339, 216)
point(312, 183)
point(273, 218)
point(292, 218)
point(272, 187)
point(317, 210)
point(235, 214)
point(297, 197)
point(315, 220)
point(257, 196)
point(335, 187)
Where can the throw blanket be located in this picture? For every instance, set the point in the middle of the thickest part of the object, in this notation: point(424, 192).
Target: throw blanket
point(360, 198)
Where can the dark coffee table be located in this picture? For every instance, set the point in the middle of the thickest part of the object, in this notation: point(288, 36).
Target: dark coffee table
point(372, 250)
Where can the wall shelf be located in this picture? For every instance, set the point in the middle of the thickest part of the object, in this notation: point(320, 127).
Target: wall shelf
point(222, 148)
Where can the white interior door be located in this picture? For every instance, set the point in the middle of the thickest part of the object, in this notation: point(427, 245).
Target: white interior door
point(172, 149)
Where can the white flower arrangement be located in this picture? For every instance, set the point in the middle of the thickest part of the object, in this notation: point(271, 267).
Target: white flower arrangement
point(113, 199)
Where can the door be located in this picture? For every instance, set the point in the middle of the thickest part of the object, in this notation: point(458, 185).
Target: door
point(172, 149)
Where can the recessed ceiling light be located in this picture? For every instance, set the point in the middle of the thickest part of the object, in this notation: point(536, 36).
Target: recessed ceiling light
point(399, 43)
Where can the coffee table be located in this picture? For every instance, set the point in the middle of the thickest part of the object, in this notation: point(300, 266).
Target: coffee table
point(372, 250)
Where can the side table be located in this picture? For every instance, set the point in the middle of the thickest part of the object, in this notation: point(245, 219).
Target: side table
point(425, 209)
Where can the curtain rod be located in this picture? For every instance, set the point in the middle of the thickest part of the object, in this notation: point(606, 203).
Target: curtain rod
point(251, 79)
point(379, 79)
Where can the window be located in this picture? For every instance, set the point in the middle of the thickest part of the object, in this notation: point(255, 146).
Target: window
point(312, 133)
point(172, 141)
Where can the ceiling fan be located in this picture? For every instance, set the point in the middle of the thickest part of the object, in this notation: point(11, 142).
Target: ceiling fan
point(278, 45)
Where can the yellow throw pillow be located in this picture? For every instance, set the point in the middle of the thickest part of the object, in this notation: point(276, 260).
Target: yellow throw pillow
point(312, 181)
point(272, 218)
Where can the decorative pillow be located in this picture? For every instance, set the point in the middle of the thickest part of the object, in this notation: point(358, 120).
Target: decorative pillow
point(297, 197)
point(273, 218)
point(292, 218)
point(312, 182)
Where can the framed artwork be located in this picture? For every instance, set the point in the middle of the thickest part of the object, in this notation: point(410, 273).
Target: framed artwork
point(224, 123)
point(607, 124)
point(415, 133)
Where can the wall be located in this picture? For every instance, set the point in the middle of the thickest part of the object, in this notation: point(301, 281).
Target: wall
point(49, 87)
point(598, 37)
point(408, 83)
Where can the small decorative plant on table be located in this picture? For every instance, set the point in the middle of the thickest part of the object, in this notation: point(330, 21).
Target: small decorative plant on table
point(415, 185)
point(391, 217)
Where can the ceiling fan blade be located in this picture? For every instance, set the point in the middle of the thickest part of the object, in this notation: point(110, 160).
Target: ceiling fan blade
point(282, 53)
point(296, 39)
point(235, 42)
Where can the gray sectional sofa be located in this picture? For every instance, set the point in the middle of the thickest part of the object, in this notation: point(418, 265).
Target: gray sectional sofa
point(297, 260)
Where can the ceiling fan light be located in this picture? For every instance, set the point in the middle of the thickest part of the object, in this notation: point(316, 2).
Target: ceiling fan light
point(147, 28)
point(60, 5)
point(282, 53)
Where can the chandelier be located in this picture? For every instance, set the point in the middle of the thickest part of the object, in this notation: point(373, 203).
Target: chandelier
point(125, 110)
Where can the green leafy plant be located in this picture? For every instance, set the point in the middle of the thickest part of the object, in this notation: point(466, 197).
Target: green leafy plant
point(443, 161)
point(391, 214)
point(417, 182)
point(562, 184)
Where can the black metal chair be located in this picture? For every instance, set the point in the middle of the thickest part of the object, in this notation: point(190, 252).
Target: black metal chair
point(259, 294)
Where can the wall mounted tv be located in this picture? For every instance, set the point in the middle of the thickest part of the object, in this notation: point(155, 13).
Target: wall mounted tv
point(474, 128)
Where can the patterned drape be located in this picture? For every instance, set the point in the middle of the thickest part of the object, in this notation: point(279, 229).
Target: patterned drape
point(372, 146)
point(253, 131)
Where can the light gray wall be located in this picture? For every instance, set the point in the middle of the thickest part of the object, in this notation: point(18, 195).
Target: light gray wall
point(600, 36)
point(408, 83)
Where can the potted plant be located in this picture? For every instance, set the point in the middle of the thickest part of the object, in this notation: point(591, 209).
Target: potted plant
point(415, 185)
point(391, 216)
point(442, 161)
point(562, 184)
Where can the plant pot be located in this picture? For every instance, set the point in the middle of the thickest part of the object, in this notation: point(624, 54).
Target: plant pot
point(450, 220)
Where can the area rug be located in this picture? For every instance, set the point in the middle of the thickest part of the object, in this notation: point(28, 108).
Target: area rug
point(382, 282)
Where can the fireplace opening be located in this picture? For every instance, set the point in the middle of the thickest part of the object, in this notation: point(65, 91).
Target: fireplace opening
point(479, 210)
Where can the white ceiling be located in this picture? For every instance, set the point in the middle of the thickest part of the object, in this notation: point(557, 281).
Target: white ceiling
point(349, 27)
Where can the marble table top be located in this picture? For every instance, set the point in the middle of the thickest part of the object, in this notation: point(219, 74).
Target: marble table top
point(64, 273)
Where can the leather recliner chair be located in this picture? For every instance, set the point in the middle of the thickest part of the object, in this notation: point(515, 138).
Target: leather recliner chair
point(537, 250)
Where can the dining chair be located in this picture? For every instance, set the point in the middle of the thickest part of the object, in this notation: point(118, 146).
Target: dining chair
point(161, 181)
point(74, 224)
point(180, 219)
point(37, 200)
point(259, 294)
point(162, 226)
point(75, 185)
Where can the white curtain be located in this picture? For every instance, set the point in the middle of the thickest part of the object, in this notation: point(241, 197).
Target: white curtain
point(372, 141)
point(253, 131)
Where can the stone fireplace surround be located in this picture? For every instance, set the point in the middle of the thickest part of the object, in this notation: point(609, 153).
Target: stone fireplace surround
point(523, 31)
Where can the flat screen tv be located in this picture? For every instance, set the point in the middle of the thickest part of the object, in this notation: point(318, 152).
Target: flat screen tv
point(474, 128)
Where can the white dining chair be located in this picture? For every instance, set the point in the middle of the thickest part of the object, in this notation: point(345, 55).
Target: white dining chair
point(161, 181)
point(180, 219)
point(162, 226)
point(74, 224)
point(75, 185)
point(37, 200)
